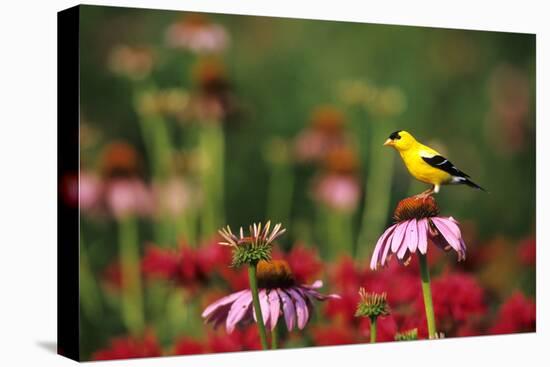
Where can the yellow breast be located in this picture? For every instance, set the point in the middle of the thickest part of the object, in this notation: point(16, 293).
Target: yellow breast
point(421, 170)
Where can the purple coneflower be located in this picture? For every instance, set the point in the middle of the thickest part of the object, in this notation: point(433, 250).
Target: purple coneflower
point(417, 224)
point(250, 250)
point(279, 296)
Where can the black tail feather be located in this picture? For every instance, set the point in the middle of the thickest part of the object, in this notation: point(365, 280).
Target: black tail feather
point(470, 183)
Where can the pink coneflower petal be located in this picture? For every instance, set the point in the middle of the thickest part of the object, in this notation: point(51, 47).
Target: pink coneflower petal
point(264, 304)
point(452, 224)
point(289, 311)
point(403, 250)
point(238, 311)
point(450, 237)
point(274, 306)
point(219, 316)
point(398, 236)
point(387, 246)
point(317, 284)
point(423, 235)
point(412, 235)
point(321, 297)
point(302, 313)
point(418, 225)
point(222, 302)
point(381, 244)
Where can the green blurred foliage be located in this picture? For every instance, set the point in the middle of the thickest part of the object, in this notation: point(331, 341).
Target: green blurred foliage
point(282, 68)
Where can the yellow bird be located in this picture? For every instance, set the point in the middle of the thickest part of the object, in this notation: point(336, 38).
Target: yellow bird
point(426, 164)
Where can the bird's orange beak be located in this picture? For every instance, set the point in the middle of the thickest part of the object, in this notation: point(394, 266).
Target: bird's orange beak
point(388, 142)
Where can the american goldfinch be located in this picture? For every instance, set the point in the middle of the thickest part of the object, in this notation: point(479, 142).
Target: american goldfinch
point(427, 165)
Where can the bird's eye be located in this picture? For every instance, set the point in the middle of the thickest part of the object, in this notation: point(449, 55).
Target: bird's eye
point(395, 136)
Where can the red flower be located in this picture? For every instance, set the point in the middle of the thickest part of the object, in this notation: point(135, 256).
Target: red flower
point(516, 315)
point(238, 340)
point(458, 296)
point(186, 345)
point(528, 251)
point(187, 266)
point(212, 257)
point(112, 276)
point(237, 279)
point(346, 274)
point(160, 263)
point(386, 327)
point(129, 347)
point(334, 335)
point(402, 286)
point(346, 278)
point(458, 302)
point(304, 262)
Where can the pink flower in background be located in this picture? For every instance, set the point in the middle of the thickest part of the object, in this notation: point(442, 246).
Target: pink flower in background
point(516, 315)
point(417, 224)
point(279, 296)
point(198, 35)
point(91, 190)
point(173, 197)
point(339, 192)
point(325, 133)
point(83, 190)
point(129, 196)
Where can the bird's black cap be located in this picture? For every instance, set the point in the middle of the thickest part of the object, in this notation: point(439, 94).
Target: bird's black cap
point(395, 135)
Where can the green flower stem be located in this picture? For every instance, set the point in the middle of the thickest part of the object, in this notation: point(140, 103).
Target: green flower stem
point(274, 338)
point(427, 293)
point(90, 295)
point(373, 329)
point(186, 227)
point(256, 304)
point(158, 148)
point(155, 135)
point(212, 157)
point(281, 185)
point(377, 188)
point(132, 297)
point(338, 232)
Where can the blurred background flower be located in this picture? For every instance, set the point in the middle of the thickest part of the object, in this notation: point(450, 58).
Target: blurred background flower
point(196, 33)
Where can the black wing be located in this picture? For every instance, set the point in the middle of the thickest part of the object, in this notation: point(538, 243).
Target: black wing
point(444, 164)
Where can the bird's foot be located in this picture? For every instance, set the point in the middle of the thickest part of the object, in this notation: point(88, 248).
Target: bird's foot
point(424, 195)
